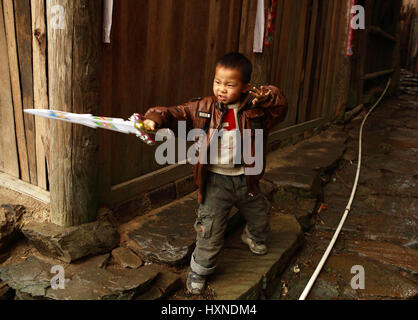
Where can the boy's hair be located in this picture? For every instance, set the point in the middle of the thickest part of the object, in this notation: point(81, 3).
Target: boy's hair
point(236, 60)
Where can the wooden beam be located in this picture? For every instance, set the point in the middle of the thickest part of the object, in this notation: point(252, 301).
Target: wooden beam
point(74, 40)
point(147, 182)
point(378, 74)
point(298, 128)
point(374, 30)
point(9, 20)
point(10, 182)
point(8, 157)
point(40, 86)
point(22, 15)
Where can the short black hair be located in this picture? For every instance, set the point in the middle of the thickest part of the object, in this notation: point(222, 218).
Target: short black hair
point(236, 60)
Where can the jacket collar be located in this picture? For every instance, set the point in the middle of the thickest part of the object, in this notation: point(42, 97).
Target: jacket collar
point(246, 101)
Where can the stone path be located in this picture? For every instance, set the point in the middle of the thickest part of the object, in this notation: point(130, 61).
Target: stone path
point(150, 260)
point(380, 233)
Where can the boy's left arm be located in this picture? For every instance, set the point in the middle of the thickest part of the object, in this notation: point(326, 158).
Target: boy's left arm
point(275, 106)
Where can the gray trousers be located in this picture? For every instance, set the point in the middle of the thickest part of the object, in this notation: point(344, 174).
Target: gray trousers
point(223, 192)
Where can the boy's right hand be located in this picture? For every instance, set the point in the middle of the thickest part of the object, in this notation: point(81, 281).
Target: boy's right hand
point(149, 125)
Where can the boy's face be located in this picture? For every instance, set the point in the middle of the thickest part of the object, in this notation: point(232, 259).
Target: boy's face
point(228, 86)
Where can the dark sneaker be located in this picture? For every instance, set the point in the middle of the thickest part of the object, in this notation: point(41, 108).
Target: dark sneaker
point(255, 247)
point(195, 283)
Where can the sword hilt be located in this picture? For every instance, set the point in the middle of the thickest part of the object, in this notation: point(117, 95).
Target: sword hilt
point(142, 133)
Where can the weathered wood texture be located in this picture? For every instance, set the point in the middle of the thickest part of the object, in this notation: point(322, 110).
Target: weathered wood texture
point(73, 58)
point(22, 13)
point(8, 150)
point(165, 55)
point(161, 53)
point(40, 87)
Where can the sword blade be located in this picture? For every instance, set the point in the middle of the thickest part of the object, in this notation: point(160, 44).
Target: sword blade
point(114, 124)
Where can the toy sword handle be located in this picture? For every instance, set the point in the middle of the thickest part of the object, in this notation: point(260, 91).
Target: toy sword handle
point(134, 125)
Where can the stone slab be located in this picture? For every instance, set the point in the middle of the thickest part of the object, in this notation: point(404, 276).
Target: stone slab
point(70, 244)
point(167, 235)
point(100, 284)
point(367, 222)
point(387, 253)
point(304, 182)
point(165, 284)
point(126, 258)
point(242, 275)
point(32, 279)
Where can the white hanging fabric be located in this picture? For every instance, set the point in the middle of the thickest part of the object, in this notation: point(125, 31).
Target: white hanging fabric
point(259, 28)
point(107, 20)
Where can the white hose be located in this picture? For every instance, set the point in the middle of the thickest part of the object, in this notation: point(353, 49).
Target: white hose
point(347, 209)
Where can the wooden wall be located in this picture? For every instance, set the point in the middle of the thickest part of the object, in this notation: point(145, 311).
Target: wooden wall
point(23, 85)
point(162, 52)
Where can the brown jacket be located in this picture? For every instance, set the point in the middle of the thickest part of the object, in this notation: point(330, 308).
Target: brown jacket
point(207, 113)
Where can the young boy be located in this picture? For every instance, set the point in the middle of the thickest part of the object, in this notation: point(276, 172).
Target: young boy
point(222, 182)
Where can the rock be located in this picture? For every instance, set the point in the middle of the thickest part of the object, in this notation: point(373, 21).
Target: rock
point(242, 275)
point(10, 219)
point(99, 284)
point(126, 258)
point(267, 188)
point(167, 235)
point(6, 293)
point(303, 182)
point(165, 284)
point(380, 282)
point(100, 261)
point(32, 280)
point(70, 244)
point(300, 207)
point(31, 277)
point(386, 253)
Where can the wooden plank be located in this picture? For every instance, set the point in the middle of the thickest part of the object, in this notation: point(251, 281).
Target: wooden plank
point(332, 55)
point(40, 86)
point(24, 49)
point(377, 74)
point(375, 30)
point(9, 21)
point(149, 181)
point(298, 128)
point(341, 77)
point(300, 57)
point(324, 60)
point(308, 82)
point(282, 66)
point(277, 45)
point(8, 149)
point(10, 182)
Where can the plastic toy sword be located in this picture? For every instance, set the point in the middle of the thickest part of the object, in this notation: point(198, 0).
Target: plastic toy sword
point(134, 125)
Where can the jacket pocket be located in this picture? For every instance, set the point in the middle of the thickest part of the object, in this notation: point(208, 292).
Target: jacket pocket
point(204, 224)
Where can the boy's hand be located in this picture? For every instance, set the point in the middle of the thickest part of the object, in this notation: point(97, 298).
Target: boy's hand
point(260, 95)
point(149, 125)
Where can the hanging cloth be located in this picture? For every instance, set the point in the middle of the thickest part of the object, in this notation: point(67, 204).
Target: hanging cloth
point(107, 20)
point(270, 23)
point(259, 28)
